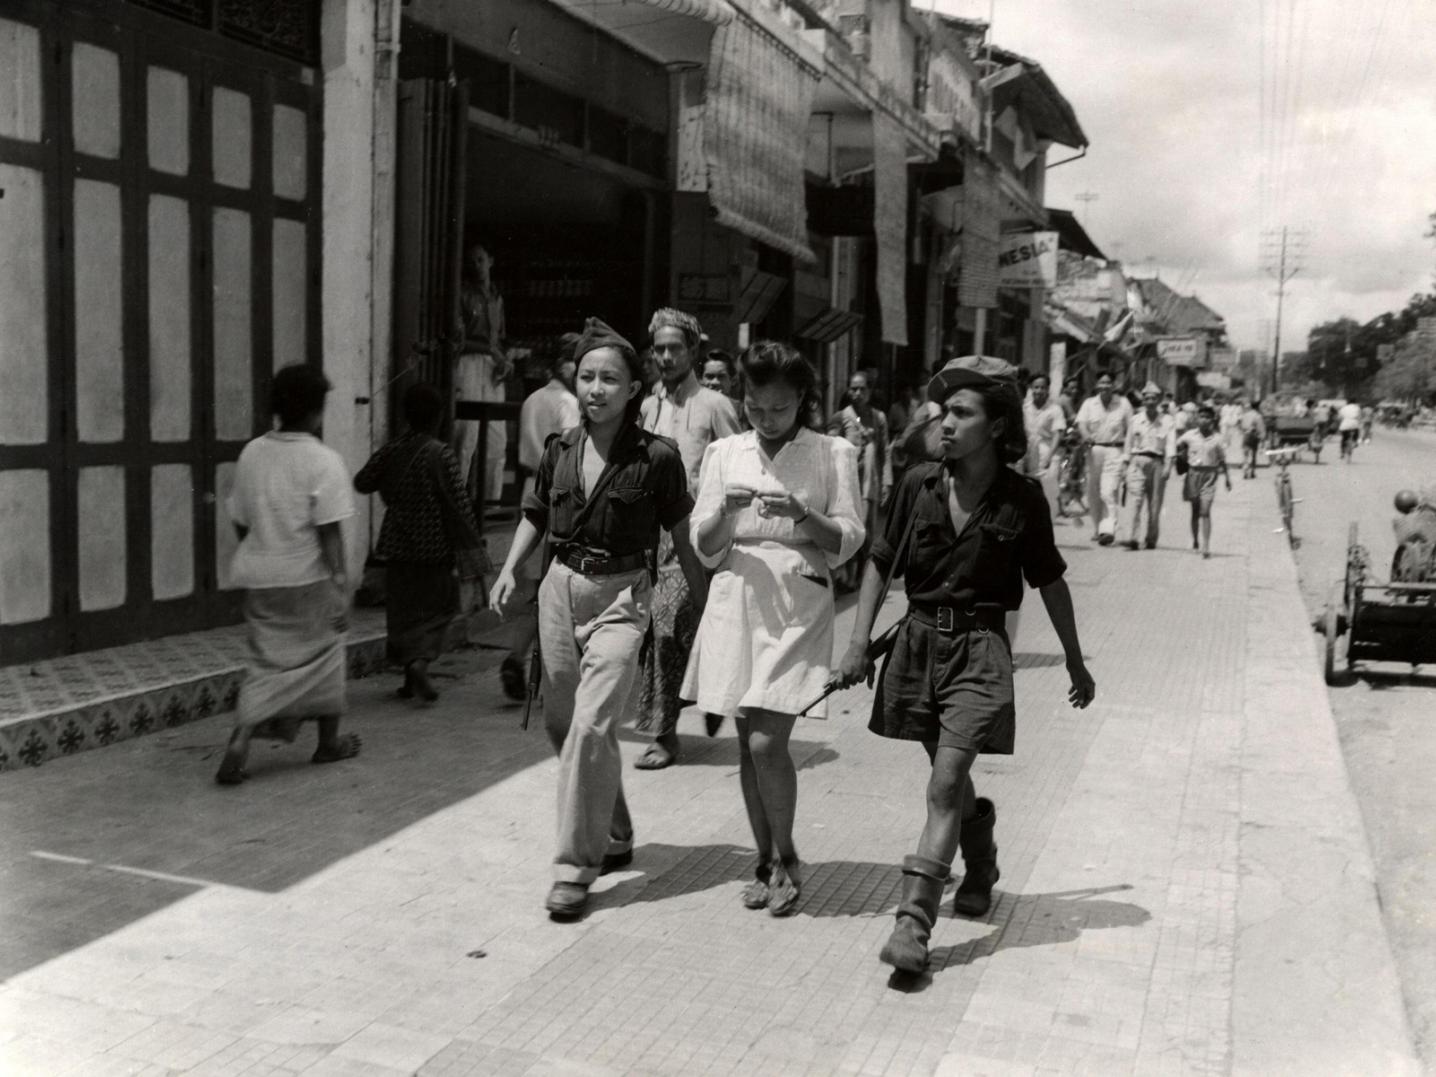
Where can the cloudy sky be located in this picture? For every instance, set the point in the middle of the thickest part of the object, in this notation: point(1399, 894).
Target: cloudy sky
point(1214, 121)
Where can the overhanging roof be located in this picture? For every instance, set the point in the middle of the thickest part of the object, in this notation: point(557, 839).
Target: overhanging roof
point(1037, 97)
point(1070, 233)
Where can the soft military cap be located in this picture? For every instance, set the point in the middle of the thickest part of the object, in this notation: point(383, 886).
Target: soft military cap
point(969, 372)
point(598, 334)
point(1150, 389)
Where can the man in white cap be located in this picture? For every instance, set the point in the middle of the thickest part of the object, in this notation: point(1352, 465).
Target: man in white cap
point(1147, 456)
point(1103, 421)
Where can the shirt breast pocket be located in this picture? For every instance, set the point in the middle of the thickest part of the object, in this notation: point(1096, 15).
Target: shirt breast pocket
point(631, 513)
point(997, 551)
point(561, 510)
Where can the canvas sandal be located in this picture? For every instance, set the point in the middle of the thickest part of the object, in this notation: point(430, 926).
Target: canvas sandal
point(757, 893)
point(786, 893)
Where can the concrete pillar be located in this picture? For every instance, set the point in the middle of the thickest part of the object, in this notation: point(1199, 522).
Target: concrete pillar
point(357, 61)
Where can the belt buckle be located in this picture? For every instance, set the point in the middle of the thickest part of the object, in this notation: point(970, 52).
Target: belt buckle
point(946, 618)
point(584, 561)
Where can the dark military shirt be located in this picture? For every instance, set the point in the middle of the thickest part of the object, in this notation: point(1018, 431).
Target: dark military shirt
point(643, 487)
point(1008, 537)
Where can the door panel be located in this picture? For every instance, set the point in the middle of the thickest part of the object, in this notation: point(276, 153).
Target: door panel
point(24, 355)
point(161, 232)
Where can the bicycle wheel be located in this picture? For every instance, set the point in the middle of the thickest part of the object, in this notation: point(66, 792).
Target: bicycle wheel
point(1283, 497)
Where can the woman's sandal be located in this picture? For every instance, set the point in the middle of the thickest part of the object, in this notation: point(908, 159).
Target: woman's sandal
point(786, 892)
point(757, 893)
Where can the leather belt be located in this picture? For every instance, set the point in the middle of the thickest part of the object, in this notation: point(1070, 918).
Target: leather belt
point(1154, 455)
point(590, 565)
point(951, 620)
point(1108, 444)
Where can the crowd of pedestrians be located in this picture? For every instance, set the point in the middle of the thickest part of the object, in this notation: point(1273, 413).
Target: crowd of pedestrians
point(695, 514)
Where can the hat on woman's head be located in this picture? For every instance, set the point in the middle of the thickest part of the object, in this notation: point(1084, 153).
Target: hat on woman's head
point(598, 334)
point(971, 372)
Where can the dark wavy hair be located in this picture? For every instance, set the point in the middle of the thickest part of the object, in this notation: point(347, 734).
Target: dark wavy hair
point(297, 392)
point(423, 405)
point(770, 362)
point(1003, 400)
point(634, 362)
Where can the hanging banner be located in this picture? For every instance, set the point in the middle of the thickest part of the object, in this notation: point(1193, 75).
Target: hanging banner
point(1027, 260)
point(890, 224)
point(981, 222)
point(755, 136)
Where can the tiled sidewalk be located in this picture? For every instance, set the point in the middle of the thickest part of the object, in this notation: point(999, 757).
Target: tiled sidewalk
point(1185, 886)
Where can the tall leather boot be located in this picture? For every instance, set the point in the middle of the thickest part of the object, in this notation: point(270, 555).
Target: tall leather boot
point(922, 881)
point(979, 859)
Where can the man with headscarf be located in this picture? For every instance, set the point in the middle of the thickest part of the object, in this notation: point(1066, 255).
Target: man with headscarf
point(1147, 457)
point(1103, 421)
point(693, 416)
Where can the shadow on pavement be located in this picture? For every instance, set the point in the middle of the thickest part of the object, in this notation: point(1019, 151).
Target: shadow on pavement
point(93, 842)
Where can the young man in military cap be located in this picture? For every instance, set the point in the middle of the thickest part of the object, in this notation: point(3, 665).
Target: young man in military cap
point(978, 530)
point(1147, 458)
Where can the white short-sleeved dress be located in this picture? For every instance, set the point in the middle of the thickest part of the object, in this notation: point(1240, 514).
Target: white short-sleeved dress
point(766, 638)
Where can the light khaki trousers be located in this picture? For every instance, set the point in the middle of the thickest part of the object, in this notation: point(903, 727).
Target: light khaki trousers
point(591, 629)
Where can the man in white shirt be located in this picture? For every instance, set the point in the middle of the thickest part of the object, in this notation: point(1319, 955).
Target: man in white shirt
point(682, 409)
point(1103, 421)
point(1348, 422)
point(1045, 422)
point(1147, 457)
point(549, 410)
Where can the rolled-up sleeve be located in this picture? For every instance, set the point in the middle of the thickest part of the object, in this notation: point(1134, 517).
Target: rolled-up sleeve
point(1041, 562)
point(844, 499)
point(668, 480)
point(710, 502)
point(535, 502)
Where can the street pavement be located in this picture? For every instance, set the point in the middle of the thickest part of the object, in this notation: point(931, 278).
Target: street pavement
point(1186, 886)
point(1383, 717)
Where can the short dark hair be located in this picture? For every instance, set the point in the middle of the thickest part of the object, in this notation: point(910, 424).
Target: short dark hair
point(423, 405)
point(718, 355)
point(770, 362)
point(1002, 400)
point(297, 392)
point(1207, 410)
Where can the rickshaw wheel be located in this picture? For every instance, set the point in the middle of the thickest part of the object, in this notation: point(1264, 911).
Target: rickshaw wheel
point(1353, 614)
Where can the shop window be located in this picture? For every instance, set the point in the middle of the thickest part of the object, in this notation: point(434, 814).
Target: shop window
point(488, 80)
point(556, 115)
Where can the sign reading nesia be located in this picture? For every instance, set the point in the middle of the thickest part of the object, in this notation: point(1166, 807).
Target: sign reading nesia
point(1028, 260)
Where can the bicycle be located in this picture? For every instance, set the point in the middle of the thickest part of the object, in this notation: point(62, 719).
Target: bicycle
point(1286, 502)
point(1072, 476)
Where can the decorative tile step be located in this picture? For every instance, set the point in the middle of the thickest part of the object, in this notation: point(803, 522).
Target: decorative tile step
point(82, 701)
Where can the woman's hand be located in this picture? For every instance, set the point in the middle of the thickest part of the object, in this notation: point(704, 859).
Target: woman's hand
point(502, 591)
point(854, 667)
point(1084, 688)
point(736, 498)
point(782, 504)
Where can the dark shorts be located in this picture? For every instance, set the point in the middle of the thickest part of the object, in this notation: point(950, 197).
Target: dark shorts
point(953, 689)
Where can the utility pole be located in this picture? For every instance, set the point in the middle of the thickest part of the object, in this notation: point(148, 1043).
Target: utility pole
point(1281, 260)
point(1086, 198)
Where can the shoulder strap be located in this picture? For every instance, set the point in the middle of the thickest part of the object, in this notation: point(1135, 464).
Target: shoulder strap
point(897, 557)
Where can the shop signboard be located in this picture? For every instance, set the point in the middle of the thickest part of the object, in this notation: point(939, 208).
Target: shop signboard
point(1180, 351)
point(1028, 260)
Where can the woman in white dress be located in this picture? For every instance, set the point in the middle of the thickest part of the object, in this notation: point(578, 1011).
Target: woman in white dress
point(778, 508)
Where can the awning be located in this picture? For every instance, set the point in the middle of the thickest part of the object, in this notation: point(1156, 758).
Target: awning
point(714, 11)
point(757, 295)
point(830, 325)
point(755, 136)
point(890, 224)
